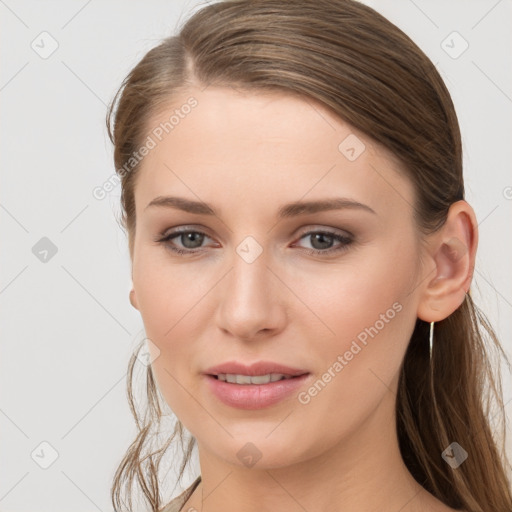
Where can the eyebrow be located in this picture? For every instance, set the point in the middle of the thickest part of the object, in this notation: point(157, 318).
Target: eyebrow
point(288, 210)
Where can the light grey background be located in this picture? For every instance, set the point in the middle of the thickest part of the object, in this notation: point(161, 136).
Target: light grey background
point(67, 328)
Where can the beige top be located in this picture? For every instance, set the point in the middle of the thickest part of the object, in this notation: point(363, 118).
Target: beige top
point(178, 502)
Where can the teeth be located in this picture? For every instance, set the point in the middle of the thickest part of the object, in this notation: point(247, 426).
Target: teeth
point(248, 379)
point(243, 379)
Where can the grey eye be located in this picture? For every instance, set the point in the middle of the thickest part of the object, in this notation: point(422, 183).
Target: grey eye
point(191, 239)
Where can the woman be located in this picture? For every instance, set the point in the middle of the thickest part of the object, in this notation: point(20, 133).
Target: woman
point(302, 254)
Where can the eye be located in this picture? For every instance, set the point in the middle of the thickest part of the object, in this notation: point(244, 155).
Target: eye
point(322, 241)
point(190, 240)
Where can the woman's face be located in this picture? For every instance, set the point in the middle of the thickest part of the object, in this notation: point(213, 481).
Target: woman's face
point(249, 289)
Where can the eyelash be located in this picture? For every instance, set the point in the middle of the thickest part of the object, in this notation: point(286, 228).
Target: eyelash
point(345, 240)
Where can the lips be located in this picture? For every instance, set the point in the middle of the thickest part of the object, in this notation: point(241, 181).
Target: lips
point(243, 393)
point(258, 368)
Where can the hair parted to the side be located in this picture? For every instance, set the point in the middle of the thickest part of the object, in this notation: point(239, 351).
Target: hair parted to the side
point(370, 74)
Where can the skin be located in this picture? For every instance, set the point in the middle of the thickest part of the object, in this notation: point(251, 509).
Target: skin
point(247, 154)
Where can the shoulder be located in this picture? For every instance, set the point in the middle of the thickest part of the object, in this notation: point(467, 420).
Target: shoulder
point(175, 504)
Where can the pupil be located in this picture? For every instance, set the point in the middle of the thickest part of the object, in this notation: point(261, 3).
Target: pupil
point(189, 237)
point(321, 236)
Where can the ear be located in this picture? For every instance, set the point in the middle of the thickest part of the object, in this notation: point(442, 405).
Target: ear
point(133, 299)
point(450, 264)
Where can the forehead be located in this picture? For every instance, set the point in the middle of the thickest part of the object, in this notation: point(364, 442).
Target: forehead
point(264, 145)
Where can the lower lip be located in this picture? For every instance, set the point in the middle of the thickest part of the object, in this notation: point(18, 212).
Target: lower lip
point(254, 396)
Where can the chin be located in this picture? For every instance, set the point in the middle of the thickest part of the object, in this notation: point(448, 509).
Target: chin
point(255, 449)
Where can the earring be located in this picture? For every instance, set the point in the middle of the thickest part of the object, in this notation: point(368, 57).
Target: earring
point(431, 338)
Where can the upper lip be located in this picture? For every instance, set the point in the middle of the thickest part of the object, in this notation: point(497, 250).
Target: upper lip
point(258, 368)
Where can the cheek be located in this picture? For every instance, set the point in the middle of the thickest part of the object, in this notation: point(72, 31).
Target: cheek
point(165, 292)
point(366, 315)
point(358, 371)
point(345, 299)
point(170, 303)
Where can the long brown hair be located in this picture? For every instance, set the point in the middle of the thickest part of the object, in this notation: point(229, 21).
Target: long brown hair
point(372, 75)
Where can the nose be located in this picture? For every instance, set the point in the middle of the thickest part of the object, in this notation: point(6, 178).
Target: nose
point(251, 299)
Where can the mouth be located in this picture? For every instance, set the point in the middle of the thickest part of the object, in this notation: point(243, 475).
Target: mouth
point(238, 378)
point(239, 373)
point(255, 386)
